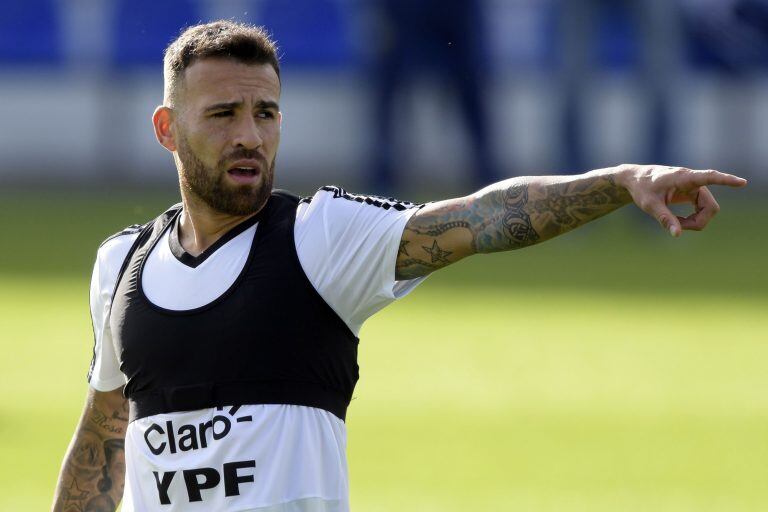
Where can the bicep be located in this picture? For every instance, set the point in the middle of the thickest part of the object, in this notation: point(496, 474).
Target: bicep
point(437, 235)
point(111, 402)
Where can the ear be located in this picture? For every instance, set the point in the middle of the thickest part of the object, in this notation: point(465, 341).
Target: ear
point(162, 120)
point(280, 120)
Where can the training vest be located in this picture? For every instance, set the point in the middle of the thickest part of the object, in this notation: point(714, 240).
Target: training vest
point(269, 339)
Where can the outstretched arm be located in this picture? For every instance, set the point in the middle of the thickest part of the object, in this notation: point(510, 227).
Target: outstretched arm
point(519, 212)
point(93, 473)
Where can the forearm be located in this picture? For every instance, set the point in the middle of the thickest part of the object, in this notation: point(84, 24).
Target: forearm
point(507, 215)
point(524, 211)
point(93, 472)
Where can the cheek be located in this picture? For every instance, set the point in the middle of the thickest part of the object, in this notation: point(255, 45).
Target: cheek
point(208, 144)
point(273, 136)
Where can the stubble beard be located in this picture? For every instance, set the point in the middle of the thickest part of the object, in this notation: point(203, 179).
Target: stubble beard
point(209, 185)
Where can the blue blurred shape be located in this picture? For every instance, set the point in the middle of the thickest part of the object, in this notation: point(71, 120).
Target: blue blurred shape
point(143, 28)
point(617, 38)
point(30, 32)
point(312, 33)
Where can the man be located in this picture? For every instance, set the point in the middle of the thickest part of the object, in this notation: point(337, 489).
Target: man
point(226, 328)
point(444, 41)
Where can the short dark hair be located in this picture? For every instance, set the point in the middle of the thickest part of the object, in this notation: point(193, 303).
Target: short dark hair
point(246, 43)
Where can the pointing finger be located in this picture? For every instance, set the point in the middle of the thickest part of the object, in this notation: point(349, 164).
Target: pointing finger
point(693, 179)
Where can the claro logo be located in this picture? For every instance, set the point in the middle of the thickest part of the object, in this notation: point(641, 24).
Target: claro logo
point(165, 438)
point(192, 436)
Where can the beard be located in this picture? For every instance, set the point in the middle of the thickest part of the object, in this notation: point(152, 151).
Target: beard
point(209, 184)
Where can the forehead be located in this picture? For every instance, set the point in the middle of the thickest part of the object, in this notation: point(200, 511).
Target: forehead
point(213, 80)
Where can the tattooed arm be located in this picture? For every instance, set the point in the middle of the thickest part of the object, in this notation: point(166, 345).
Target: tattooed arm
point(93, 473)
point(524, 211)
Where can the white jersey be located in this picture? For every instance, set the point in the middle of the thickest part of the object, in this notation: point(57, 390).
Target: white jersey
point(265, 457)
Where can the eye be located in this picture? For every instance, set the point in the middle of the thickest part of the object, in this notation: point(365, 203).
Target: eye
point(266, 114)
point(223, 113)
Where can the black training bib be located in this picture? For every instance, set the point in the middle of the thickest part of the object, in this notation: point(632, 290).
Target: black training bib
point(269, 339)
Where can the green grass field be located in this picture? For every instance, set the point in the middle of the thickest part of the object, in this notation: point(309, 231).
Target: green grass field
point(614, 369)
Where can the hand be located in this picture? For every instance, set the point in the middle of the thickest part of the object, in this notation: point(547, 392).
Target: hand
point(654, 187)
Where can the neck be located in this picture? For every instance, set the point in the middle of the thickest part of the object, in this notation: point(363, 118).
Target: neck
point(200, 225)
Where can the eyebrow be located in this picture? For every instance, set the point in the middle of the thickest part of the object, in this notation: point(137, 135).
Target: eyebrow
point(234, 104)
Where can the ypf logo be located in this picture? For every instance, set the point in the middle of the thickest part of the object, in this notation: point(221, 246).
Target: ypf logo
point(193, 437)
point(190, 436)
point(200, 479)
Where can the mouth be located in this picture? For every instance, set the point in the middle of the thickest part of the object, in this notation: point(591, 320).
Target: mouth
point(243, 173)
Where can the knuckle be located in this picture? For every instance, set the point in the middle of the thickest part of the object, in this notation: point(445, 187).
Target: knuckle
point(645, 204)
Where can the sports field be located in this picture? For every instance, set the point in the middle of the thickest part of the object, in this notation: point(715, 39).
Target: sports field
point(614, 369)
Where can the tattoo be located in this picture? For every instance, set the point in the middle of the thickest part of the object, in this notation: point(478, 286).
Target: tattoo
point(122, 414)
point(509, 215)
point(506, 220)
point(413, 268)
point(436, 253)
point(73, 492)
point(517, 222)
point(88, 454)
point(94, 470)
point(102, 421)
point(402, 249)
point(100, 503)
point(439, 229)
point(564, 206)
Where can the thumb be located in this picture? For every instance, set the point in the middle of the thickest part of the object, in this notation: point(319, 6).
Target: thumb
point(666, 218)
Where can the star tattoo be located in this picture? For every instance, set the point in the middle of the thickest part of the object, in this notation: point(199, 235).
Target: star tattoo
point(74, 493)
point(402, 249)
point(436, 253)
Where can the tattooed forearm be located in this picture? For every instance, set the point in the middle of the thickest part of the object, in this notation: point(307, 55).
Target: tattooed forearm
point(560, 207)
point(92, 476)
point(508, 215)
point(543, 208)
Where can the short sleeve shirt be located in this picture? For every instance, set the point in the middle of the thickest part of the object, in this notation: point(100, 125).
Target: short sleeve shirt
point(262, 457)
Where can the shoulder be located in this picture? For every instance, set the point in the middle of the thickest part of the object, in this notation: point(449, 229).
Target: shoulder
point(113, 250)
point(286, 196)
point(123, 234)
point(333, 214)
point(329, 193)
point(282, 202)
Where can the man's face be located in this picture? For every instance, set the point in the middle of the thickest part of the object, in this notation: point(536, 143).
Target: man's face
point(227, 132)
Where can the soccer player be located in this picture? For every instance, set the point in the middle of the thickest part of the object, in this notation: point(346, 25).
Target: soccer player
point(226, 328)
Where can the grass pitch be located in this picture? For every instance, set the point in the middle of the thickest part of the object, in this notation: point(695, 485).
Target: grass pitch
point(613, 369)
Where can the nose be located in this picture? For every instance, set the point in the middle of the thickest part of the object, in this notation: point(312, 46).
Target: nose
point(247, 134)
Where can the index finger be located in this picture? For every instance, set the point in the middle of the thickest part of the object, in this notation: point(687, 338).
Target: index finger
point(711, 177)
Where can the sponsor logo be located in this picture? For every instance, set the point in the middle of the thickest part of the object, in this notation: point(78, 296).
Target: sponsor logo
point(199, 479)
point(166, 437)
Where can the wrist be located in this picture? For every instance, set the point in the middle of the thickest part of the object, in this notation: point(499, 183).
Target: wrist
point(620, 177)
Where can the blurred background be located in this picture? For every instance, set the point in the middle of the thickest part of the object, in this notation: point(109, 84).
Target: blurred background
point(396, 93)
point(611, 369)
